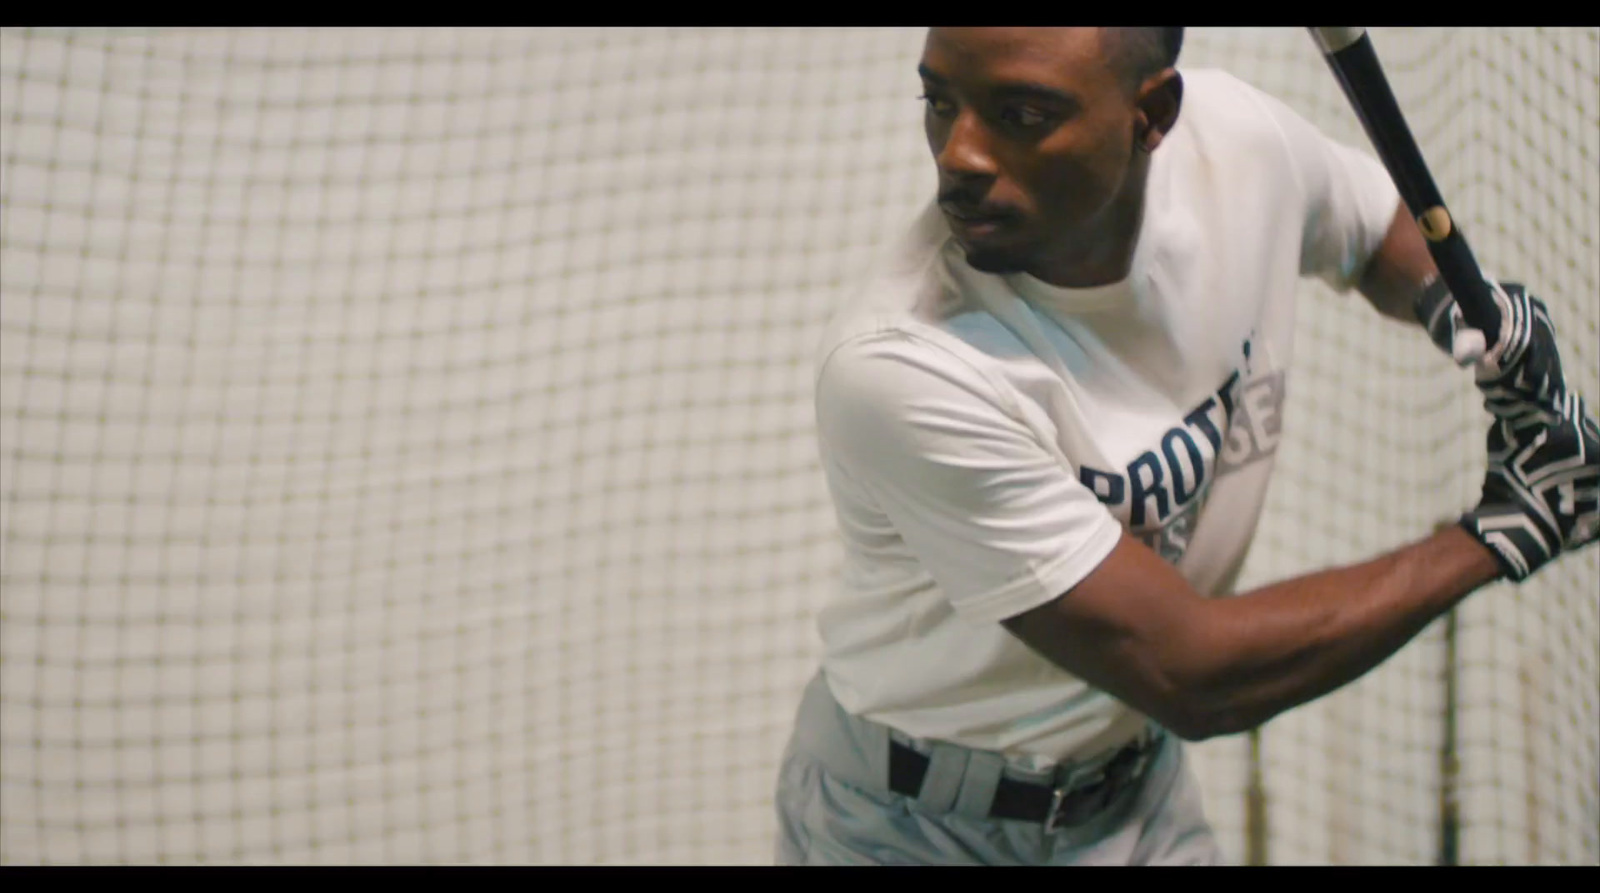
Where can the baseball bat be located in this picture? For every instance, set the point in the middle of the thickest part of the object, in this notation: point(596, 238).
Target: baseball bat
point(1350, 54)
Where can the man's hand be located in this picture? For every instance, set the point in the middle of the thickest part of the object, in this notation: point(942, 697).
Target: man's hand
point(1526, 335)
point(1539, 493)
point(1437, 310)
point(1542, 486)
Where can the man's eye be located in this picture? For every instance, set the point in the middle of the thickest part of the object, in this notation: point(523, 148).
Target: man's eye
point(936, 105)
point(1023, 116)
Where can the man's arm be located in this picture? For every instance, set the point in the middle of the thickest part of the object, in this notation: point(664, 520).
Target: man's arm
point(1202, 667)
point(1522, 382)
point(1399, 270)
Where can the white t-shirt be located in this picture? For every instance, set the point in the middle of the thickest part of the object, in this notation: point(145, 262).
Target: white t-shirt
point(986, 438)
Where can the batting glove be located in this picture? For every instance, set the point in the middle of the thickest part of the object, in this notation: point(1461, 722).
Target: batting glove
point(1541, 493)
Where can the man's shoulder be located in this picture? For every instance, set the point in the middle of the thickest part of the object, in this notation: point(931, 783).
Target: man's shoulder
point(895, 301)
point(883, 338)
point(878, 343)
point(888, 350)
point(880, 312)
point(1229, 122)
point(1217, 86)
point(1222, 103)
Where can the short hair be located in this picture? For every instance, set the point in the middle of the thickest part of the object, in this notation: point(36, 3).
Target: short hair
point(1139, 53)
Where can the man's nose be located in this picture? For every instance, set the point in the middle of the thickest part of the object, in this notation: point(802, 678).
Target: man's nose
point(966, 153)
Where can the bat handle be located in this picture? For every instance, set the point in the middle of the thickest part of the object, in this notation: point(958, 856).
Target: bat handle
point(1459, 269)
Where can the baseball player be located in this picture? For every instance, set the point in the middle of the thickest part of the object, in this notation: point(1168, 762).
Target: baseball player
point(1048, 426)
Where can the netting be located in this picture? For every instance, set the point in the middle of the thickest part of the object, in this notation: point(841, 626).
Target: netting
point(406, 454)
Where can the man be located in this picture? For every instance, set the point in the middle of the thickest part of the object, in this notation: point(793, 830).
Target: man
point(1037, 429)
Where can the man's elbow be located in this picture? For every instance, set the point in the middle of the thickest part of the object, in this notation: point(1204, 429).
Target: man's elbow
point(1194, 713)
point(1201, 726)
point(1191, 723)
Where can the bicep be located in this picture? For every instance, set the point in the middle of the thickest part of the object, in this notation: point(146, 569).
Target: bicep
point(1399, 270)
point(1350, 210)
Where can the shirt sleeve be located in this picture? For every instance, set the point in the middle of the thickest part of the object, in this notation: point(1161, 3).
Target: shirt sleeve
point(1000, 523)
point(1350, 199)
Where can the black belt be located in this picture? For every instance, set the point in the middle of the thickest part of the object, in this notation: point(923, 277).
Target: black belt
point(1047, 804)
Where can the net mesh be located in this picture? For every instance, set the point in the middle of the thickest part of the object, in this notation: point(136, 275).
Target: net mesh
point(406, 456)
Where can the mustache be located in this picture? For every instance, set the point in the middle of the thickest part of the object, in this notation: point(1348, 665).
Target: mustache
point(965, 204)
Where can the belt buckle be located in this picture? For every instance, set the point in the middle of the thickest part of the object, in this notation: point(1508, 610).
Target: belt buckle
point(1054, 815)
point(1111, 776)
point(1146, 754)
point(1058, 796)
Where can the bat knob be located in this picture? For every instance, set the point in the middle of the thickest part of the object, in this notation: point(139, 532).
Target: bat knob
point(1469, 347)
point(1332, 40)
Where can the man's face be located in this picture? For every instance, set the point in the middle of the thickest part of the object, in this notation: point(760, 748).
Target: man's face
point(1033, 134)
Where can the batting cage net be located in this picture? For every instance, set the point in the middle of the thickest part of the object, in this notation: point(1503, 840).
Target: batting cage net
point(406, 444)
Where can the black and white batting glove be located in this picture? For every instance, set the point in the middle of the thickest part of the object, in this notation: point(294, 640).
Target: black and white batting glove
point(1439, 313)
point(1541, 493)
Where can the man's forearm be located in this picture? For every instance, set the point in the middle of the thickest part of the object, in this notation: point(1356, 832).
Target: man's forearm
point(1295, 641)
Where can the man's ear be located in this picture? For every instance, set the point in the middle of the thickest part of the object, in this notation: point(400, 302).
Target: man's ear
point(1159, 101)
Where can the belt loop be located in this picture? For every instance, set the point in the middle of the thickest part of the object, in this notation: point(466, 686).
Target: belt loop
point(978, 785)
point(872, 741)
point(947, 768)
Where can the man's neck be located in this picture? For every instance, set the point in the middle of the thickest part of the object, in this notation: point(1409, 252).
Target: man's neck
point(1101, 253)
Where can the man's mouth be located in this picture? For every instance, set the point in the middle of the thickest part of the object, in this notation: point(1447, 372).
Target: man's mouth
point(971, 214)
point(974, 222)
